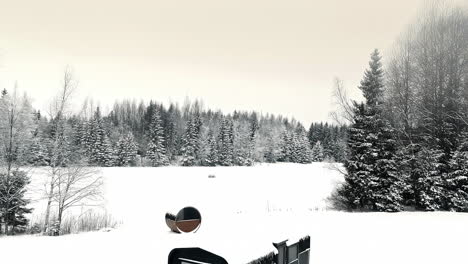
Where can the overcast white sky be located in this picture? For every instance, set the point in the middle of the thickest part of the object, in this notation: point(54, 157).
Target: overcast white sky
point(268, 55)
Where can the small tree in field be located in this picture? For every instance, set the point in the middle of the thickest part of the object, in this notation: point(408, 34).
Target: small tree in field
point(76, 185)
point(59, 150)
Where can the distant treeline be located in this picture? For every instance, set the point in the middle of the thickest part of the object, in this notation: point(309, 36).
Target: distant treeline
point(139, 134)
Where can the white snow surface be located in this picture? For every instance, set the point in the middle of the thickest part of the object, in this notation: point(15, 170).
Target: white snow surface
point(244, 210)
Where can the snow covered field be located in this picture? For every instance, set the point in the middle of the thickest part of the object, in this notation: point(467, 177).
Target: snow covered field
point(244, 210)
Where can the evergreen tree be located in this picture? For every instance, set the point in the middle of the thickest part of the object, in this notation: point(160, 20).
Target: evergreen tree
point(372, 181)
point(95, 139)
point(243, 144)
point(317, 152)
point(84, 137)
point(372, 84)
point(38, 153)
point(286, 147)
point(190, 140)
point(355, 191)
point(295, 147)
point(253, 127)
point(156, 149)
point(427, 179)
point(125, 150)
point(107, 158)
point(301, 145)
point(13, 204)
point(332, 139)
point(212, 155)
point(196, 133)
point(456, 182)
point(226, 143)
point(269, 155)
point(313, 134)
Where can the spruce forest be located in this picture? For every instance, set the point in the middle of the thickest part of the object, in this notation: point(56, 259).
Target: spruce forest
point(139, 134)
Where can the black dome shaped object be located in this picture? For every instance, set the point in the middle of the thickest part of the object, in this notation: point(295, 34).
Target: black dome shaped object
point(194, 255)
point(188, 219)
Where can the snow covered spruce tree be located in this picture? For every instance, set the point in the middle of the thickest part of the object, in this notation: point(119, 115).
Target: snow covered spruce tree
point(192, 140)
point(196, 133)
point(189, 144)
point(156, 151)
point(226, 142)
point(125, 150)
point(317, 152)
point(212, 150)
point(108, 157)
point(427, 181)
point(456, 181)
point(252, 139)
point(38, 153)
point(301, 146)
point(99, 146)
point(286, 147)
point(244, 139)
point(13, 204)
point(372, 181)
point(332, 139)
point(295, 146)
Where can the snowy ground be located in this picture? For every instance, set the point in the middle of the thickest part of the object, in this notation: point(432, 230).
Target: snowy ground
point(244, 210)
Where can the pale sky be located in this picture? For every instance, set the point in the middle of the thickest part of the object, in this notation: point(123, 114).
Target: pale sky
point(268, 55)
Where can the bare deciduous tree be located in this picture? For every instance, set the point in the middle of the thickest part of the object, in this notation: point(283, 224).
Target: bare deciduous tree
point(426, 77)
point(344, 113)
point(401, 80)
point(77, 185)
point(58, 111)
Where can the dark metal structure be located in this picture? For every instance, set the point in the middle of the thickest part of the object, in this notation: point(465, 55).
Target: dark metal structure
point(194, 256)
point(297, 253)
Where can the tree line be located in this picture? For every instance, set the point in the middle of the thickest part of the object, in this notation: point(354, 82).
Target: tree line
point(151, 134)
point(407, 142)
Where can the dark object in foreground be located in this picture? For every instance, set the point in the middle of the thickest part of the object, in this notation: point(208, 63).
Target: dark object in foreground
point(194, 256)
point(171, 222)
point(187, 220)
point(297, 253)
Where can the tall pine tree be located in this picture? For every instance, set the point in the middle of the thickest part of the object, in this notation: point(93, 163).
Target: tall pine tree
point(226, 142)
point(156, 152)
point(190, 142)
point(372, 181)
